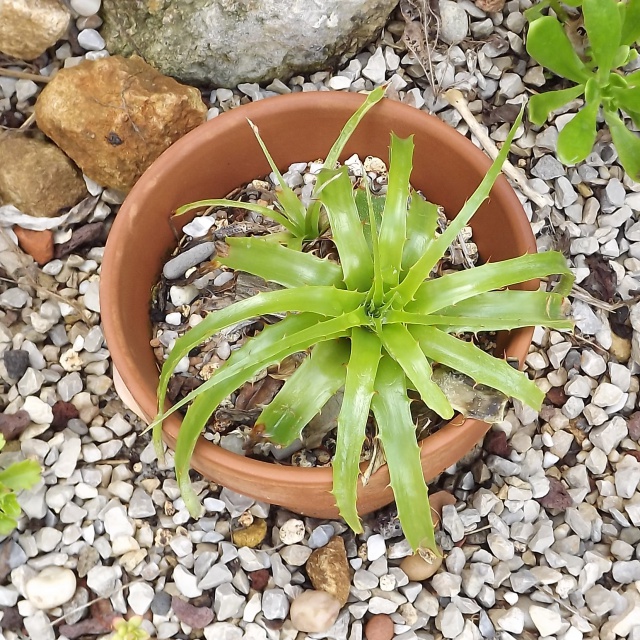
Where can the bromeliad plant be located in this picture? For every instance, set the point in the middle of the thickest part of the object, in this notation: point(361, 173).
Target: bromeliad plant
point(16, 477)
point(375, 323)
point(612, 28)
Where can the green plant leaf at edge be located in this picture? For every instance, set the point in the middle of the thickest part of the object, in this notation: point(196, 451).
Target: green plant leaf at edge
point(21, 475)
point(477, 364)
point(352, 421)
point(393, 229)
point(422, 222)
point(627, 144)
point(603, 23)
point(542, 104)
point(404, 349)
point(317, 379)
point(391, 409)
point(322, 300)
point(578, 136)
point(275, 263)
point(549, 45)
point(256, 355)
point(419, 272)
point(631, 24)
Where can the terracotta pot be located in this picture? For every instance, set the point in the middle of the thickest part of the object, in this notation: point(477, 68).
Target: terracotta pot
point(223, 154)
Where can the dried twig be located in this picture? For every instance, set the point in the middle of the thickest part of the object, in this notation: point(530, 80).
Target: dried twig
point(455, 98)
point(28, 122)
point(23, 75)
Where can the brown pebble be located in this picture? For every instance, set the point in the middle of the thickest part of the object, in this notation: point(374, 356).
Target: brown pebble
point(634, 426)
point(380, 627)
point(38, 244)
point(329, 570)
point(418, 569)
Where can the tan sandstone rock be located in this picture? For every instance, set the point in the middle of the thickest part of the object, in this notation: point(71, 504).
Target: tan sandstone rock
point(37, 178)
point(29, 27)
point(115, 116)
point(328, 570)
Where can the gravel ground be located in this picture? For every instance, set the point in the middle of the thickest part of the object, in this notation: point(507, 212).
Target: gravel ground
point(542, 541)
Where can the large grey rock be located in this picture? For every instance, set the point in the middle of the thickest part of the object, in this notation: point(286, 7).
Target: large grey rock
point(225, 42)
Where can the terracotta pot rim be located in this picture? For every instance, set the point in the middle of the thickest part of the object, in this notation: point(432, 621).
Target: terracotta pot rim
point(179, 152)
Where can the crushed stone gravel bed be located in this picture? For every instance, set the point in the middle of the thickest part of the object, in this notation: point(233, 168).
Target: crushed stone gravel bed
point(543, 538)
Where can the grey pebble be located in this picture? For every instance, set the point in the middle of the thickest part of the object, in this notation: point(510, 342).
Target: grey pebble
point(178, 266)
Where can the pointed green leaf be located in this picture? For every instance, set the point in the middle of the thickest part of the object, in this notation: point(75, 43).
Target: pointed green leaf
point(422, 222)
point(627, 98)
point(294, 333)
point(403, 348)
point(578, 136)
point(262, 354)
point(393, 229)
point(477, 364)
point(325, 301)
point(542, 104)
point(265, 212)
point(397, 433)
point(631, 24)
point(352, 422)
point(627, 145)
point(362, 204)
point(451, 289)
point(276, 263)
point(291, 204)
point(21, 475)
point(549, 45)
point(355, 256)
point(305, 393)
point(494, 311)
point(604, 27)
point(420, 271)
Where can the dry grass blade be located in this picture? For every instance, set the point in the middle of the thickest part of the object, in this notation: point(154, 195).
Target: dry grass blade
point(23, 75)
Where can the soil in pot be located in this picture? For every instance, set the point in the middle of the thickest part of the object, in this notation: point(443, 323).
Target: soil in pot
point(191, 288)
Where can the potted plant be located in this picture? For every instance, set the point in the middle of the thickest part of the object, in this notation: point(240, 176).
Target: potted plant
point(379, 297)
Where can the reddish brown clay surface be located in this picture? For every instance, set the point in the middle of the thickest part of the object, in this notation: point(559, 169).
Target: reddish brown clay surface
point(223, 154)
point(38, 244)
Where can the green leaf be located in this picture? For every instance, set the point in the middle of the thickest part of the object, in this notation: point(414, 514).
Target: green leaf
point(542, 104)
point(631, 24)
point(21, 475)
point(494, 311)
point(397, 433)
point(451, 289)
point(276, 263)
point(338, 147)
point(420, 271)
point(627, 145)
point(351, 125)
point(289, 201)
point(352, 422)
point(404, 349)
point(265, 212)
point(549, 45)
point(270, 347)
point(317, 379)
point(362, 204)
point(604, 27)
point(422, 222)
point(477, 364)
point(7, 525)
point(9, 505)
point(262, 354)
point(576, 139)
point(627, 98)
point(322, 300)
point(393, 229)
point(355, 257)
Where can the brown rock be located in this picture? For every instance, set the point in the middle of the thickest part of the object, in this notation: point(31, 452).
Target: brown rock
point(37, 178)
point(29, 27)
point(38, 244)
point(418, 569)
point(380, 627)
point(250, 536)
point(115, 116)
point(490, 6)
point(328, 570)
point(634, 426)
point(620, 348)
